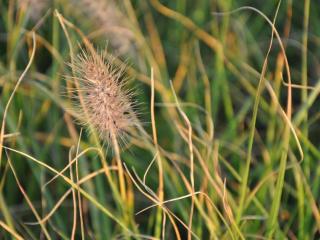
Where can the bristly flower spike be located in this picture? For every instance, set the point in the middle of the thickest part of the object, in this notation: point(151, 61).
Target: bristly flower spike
point(104, 101)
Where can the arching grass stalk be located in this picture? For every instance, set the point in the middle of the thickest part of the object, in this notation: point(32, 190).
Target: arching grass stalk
point(108, 105)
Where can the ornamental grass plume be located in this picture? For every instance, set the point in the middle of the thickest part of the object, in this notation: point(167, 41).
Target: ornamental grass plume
point(104, 101)
point(107, 18)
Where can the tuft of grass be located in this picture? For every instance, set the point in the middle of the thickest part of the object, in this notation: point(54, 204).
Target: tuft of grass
point(219, 141)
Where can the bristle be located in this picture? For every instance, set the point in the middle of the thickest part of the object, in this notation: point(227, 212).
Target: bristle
point(107, 104)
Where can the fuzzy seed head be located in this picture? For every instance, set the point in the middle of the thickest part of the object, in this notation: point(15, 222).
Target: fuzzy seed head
point(106, 103)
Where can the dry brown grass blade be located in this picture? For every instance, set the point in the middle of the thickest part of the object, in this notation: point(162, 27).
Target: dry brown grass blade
point(282, 48)
point(5, 112)
point(33, 209)
point(155, 141)
point(149, 194)
point(72, 162)
point(121, 176)
point(67, 180)
point(216, 184)
point(189, 24)
point(182, 69)
point(11, 231)
point(153, 197)
point(74, 201)
point(65, 195)
point(78, 183)
point(42, 41)
point(190, 145)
